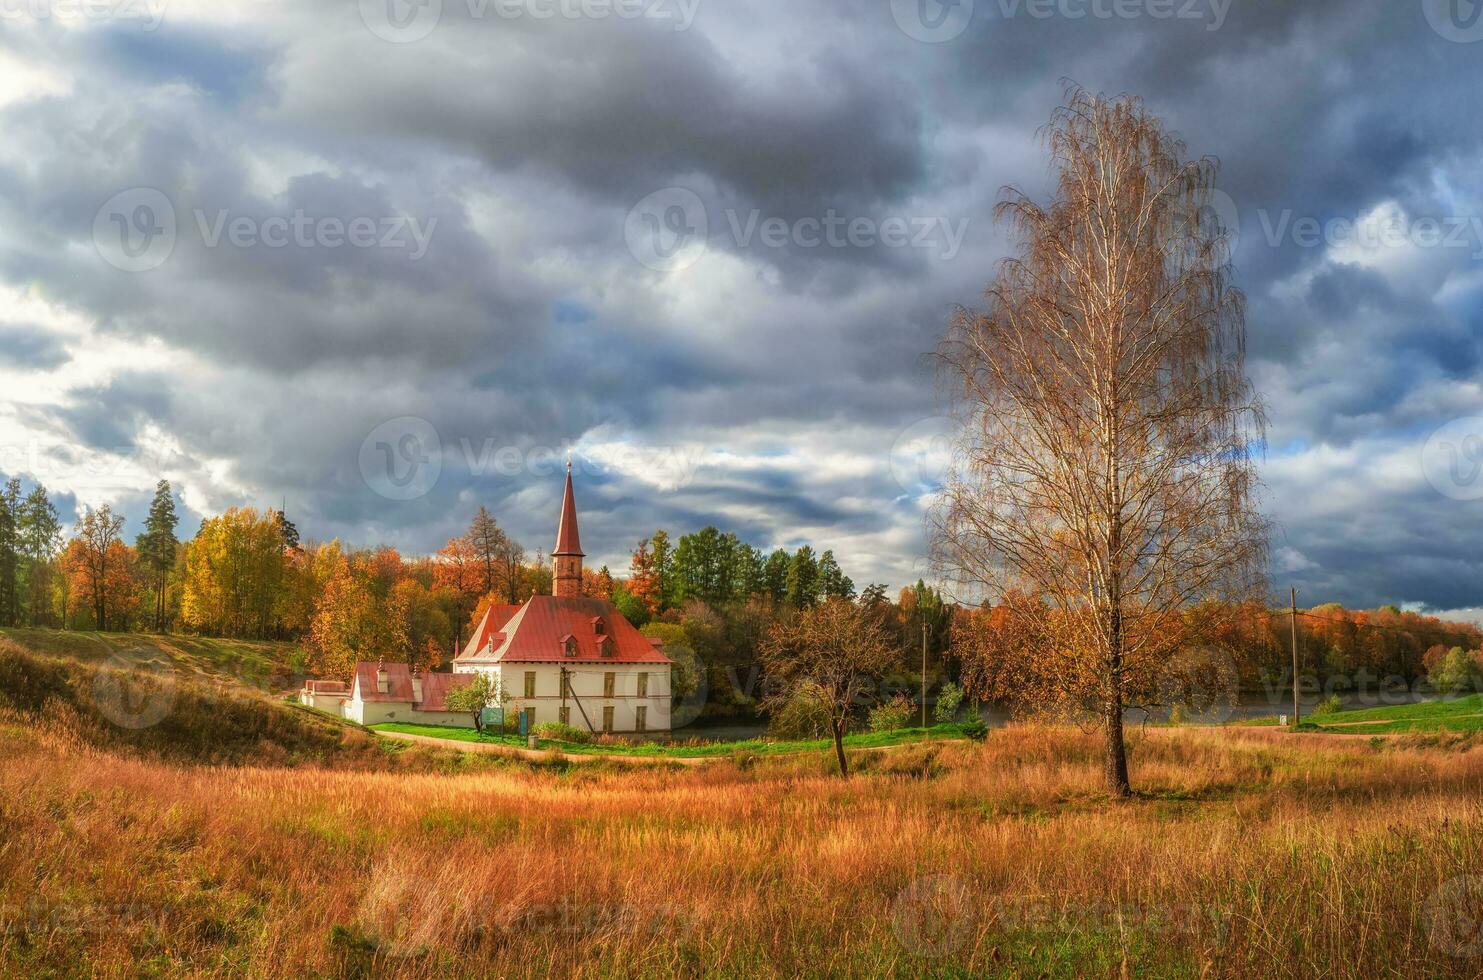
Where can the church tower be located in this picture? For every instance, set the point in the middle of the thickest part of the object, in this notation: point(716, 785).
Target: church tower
point(566, 557)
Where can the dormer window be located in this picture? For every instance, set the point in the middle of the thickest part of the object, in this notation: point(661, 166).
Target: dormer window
point(569, 645)
point(599, 626)
point(605, 646)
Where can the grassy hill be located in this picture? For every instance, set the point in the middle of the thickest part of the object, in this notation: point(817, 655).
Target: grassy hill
point(184, 700)
point(260, 664)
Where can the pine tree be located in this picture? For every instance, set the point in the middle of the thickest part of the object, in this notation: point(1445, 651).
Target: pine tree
point(803, 579)
point(833, 582)
point(157, 545)
point(40, 534)
point(10, 553)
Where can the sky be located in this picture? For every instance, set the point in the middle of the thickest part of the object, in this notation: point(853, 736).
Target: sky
point(384, 261)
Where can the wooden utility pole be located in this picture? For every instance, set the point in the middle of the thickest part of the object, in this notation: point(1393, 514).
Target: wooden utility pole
point(924, 672)
point(1296, 710)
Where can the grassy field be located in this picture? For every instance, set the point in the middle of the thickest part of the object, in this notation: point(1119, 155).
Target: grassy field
point(234, 835)
point(696, 749)
point(1457, 715)
point(1241, 856)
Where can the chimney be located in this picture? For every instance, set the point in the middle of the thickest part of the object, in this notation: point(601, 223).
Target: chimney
point(381, 681)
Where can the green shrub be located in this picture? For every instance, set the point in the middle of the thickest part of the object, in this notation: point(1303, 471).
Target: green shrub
point(557, 732)
point(949, 699)
point(893, 714)
point(976, 729)
point(1330, 705)
point(1178, 715)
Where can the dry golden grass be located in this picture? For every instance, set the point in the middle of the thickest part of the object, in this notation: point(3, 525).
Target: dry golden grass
point(1243, 856)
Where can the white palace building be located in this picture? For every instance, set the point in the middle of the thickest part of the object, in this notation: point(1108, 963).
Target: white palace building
point(561, 657)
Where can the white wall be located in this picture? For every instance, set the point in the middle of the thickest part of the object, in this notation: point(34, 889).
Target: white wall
point(380, 712)
point(587, 684)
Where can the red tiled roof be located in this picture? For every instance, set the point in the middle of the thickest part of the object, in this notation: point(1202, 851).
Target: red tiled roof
point(488, 630)
point(539, 630)
point(567, 539)
point(435, 687)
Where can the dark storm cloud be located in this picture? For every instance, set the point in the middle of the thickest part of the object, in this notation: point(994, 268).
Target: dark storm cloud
point(527, 324)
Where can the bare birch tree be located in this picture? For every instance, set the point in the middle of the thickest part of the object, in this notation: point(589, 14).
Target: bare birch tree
point(1105, 479)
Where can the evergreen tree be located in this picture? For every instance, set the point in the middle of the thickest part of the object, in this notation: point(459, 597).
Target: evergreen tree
point(803, 579)
point(833, 582)
point(775, 575)
point(40, 534)
point(10, 553)
point(157, 545)
point(288, 530)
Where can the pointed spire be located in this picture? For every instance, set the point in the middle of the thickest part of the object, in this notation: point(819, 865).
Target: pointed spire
point(567, 540)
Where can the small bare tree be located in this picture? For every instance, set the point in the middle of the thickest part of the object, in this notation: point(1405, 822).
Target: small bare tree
point(832, 653)
point(1105, 479)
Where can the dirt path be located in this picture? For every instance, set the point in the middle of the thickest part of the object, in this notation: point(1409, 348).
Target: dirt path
point(514, 751)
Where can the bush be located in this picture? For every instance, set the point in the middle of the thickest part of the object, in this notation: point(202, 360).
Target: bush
point(802, 718)
point(893, 714)
point(557, 732)
point(1178, 714)
point(1458, 671)
point(949, 699)
point(976, 729)
point(1330, 705)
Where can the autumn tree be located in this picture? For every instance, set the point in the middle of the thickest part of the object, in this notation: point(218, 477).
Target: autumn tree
point(831, 654)
point(498, 556)
point(99, 564)
point(346, 626)
point(234, 570)
point(643, 578)
point(1106, 462)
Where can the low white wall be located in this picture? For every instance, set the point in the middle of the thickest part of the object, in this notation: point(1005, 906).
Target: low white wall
point(381, 712)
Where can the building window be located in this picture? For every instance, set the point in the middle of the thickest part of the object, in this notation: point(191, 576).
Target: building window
point(570, 646)
point(643, 686)
point(530, 683)
point(641, 718)
point(566, 716)
point(605, 646)
point(607, 718)
point(599, 627)
point(530, 719)
point(609, 682)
